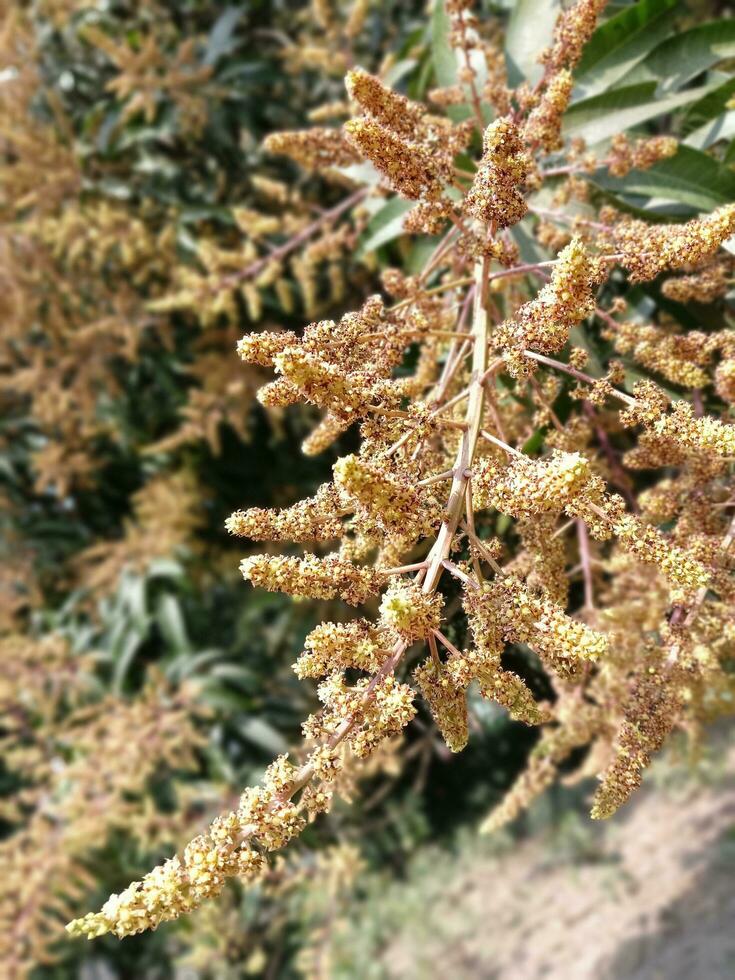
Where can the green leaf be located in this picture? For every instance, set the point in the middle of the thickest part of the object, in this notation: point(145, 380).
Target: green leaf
point(534, 443)
point(399, 70)
point(712, 105)
point(445, 61)
point(132, 598)
point(682, 57)
point(260, 733)
point(721, 128)
point(188, 664)
point(636, 208)
point(708, 120)
point(602, 116)
point(530, 30)
point(221, 39)
point(165, 568)
point(385, 225)
point(690, 178)
point(171, 623)
point(621, 42)
point(421, 249)
point(528, 246)
point(124, 653)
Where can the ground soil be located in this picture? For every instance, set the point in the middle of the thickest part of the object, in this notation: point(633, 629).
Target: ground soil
point(651, 897)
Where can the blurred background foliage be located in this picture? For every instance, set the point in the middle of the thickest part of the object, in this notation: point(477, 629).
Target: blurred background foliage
point(142, 231)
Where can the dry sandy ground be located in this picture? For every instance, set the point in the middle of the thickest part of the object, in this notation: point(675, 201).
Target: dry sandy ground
point(655, 902)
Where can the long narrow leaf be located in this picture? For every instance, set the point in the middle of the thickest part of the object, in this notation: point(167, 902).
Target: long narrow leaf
point(602, 116)
point(682, 57)
point(530, 30)
point(619, 44)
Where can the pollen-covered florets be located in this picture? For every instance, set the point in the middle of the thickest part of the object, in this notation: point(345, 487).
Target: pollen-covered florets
point(651, 711)
point(336, 646)
point(640, 155)
point(413, 150)
point(544, 323)
point(326, 763)
point(692, 434)
point(725, 380)
point(409, 611)
point(543, 126)
point(322, 383)
point(316, 518)
point(261, 348)
point(544, 626)
point(649, 545)
point(532, 486)
point(494, 195)
point(386, 498)
point(703, 286)
point(180, 885)
point(446, 700)
point(386, 106)
point(408, 167)
point(380, 711)
point(572, 31)
point(646, 250)
point(314, 149)
point(678, 358)
point(312, 577)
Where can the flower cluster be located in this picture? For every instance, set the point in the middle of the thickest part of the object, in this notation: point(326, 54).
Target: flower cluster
point(543, 126)
point(180, 885)
point(640, 155)
point(703, 286)
point(412, 150)
point(315, 519)
point(529, 487)
point(681, 359)
point(484, 480)
point(572, 31)
point(412, 613)
point(648, 251)
point(544, 323)
point(494, 196)
point(312, 577)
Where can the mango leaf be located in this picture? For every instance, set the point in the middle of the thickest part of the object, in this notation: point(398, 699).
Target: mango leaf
point(421, 249)
point(221, 39)
point(530, 30)
point(621, 42)
point(712, 105)
point(421, 78)
point(124, 652)
point(265, 736)
point(534, 442)
point(188, 664)
point(385, 225)
point(399, 70)
point(171, 623)
point(444, 58)
point(691, 178)
point(708, 120)
point(528, 247)
point(602, 116)
point(445, 61)
point(721, 128)
point(682, 57)
point(640, 207)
